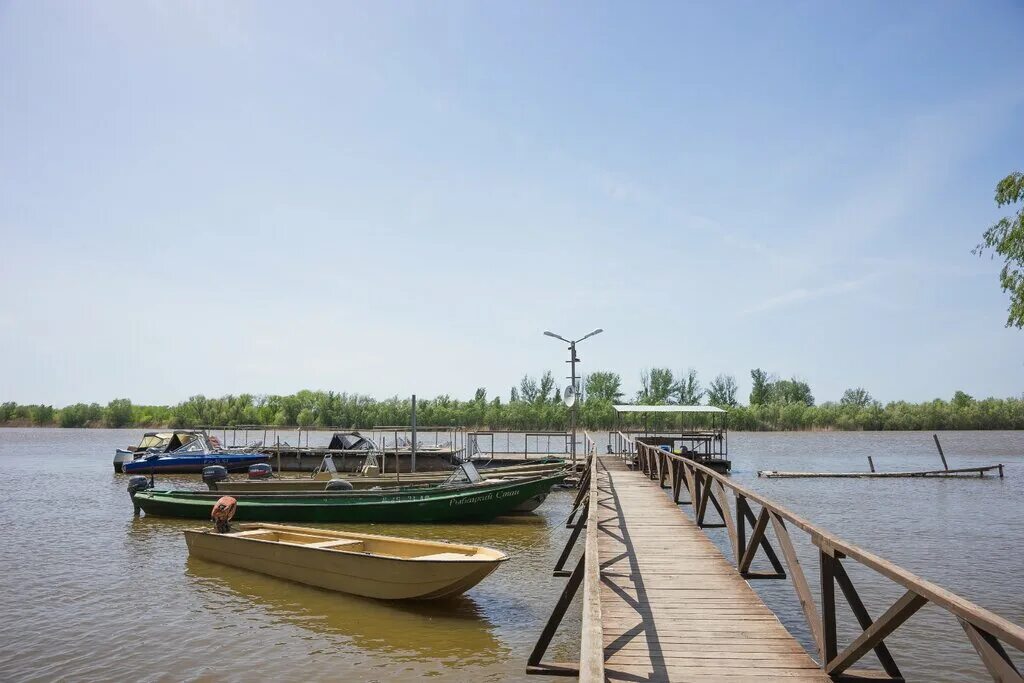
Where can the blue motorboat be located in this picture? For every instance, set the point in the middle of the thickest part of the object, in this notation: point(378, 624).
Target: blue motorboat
point(161, 443)
point(191, 457)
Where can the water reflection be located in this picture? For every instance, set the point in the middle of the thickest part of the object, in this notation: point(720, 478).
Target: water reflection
point(454, 631)
point(143, 529)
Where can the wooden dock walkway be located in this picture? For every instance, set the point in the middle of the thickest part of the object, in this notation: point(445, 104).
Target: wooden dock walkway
point(672, 607)
point(661, 602)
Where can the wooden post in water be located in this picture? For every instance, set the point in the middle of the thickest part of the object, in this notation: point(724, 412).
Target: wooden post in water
point(871, 463)
point(941, 454)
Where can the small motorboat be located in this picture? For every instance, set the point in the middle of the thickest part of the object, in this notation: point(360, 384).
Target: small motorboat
point(382, 567)
point(199, 452)
point(465, 497)
point(159, 443)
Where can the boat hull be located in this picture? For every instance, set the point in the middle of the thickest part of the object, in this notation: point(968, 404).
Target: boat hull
point(476, 504)
point(359, 482)
point(122, 456)
point(193, 463)
point(359, 572)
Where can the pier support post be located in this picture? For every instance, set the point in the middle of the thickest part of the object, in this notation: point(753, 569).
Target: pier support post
point(829, 643)
point(535, 665)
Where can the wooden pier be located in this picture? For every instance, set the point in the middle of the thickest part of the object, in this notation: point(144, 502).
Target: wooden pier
point(661, 602)
point(673, 608)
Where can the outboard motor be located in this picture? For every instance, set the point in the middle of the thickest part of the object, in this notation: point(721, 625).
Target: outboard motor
point(223, 512)
point(338, 485)
point(136, 484)
point(260, 470)
point(212, 474)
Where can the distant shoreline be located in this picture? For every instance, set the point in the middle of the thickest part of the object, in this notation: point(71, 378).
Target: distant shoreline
point(293, 428)
point(542, 412)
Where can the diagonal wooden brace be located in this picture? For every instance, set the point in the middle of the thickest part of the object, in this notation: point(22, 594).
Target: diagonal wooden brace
point(755, 540)
point(894, 617)
point(992, 654)
point(865, 620)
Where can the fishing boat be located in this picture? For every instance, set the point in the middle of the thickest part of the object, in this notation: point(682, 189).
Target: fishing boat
point(466, 497)
point(326, 474)
point(382, 567)
point(199, 452)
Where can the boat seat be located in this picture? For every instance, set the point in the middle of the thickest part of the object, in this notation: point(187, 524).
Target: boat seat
point(337, 544)
point(254, 533)
point(444, 556)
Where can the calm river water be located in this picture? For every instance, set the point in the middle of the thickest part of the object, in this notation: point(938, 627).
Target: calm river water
point(90, 592)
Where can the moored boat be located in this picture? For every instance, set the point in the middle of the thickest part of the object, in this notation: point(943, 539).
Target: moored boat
point(155, 443)
point(320, 482)
point(199, 452)
point(479, 500)
point(174, 463)
point(382, 567)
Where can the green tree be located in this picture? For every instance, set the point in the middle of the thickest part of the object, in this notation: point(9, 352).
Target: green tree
point(42, 415)
point(787, 391)
point(604, 386)
point(657, 385)
point(961, 400)
point(760, 392)
point(1006, 238)
point(858, 397)
point(722, 391)
point(119, 413)
point(687, 390)
point(528, 389)
point(547, 384)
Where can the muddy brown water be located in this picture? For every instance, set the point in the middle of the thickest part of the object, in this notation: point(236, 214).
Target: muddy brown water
point(88, 592)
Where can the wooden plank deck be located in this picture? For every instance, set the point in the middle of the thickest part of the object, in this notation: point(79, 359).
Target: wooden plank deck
point(672, 607)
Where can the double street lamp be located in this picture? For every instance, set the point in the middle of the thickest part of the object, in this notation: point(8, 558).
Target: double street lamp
point(575, 393)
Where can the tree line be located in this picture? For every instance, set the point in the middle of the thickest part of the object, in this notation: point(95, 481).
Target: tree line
point(536, 403)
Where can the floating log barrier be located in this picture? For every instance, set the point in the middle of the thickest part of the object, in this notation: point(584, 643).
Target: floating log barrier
point(962, 472)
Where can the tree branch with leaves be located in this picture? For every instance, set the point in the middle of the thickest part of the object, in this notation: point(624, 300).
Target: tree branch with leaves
point(1006, 238)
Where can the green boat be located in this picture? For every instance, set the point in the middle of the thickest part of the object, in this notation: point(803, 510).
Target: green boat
point(473, 502)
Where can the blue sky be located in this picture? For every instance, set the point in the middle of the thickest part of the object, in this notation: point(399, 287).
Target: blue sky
point(391, 198)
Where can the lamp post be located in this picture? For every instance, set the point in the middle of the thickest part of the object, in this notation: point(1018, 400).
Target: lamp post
point(572, 363)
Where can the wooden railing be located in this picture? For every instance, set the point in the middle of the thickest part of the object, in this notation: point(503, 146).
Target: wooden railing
point(986, 631)
point(586, 573)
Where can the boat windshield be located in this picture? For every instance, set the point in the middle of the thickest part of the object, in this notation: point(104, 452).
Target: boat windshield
point(196, 445)
point(466, 473)
point(154, 441)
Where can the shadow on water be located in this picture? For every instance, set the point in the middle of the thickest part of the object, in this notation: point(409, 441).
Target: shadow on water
point(454, 630)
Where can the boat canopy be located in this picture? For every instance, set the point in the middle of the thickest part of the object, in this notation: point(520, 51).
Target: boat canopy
point(667, 409)
point(167, 441)
point(350, 441)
